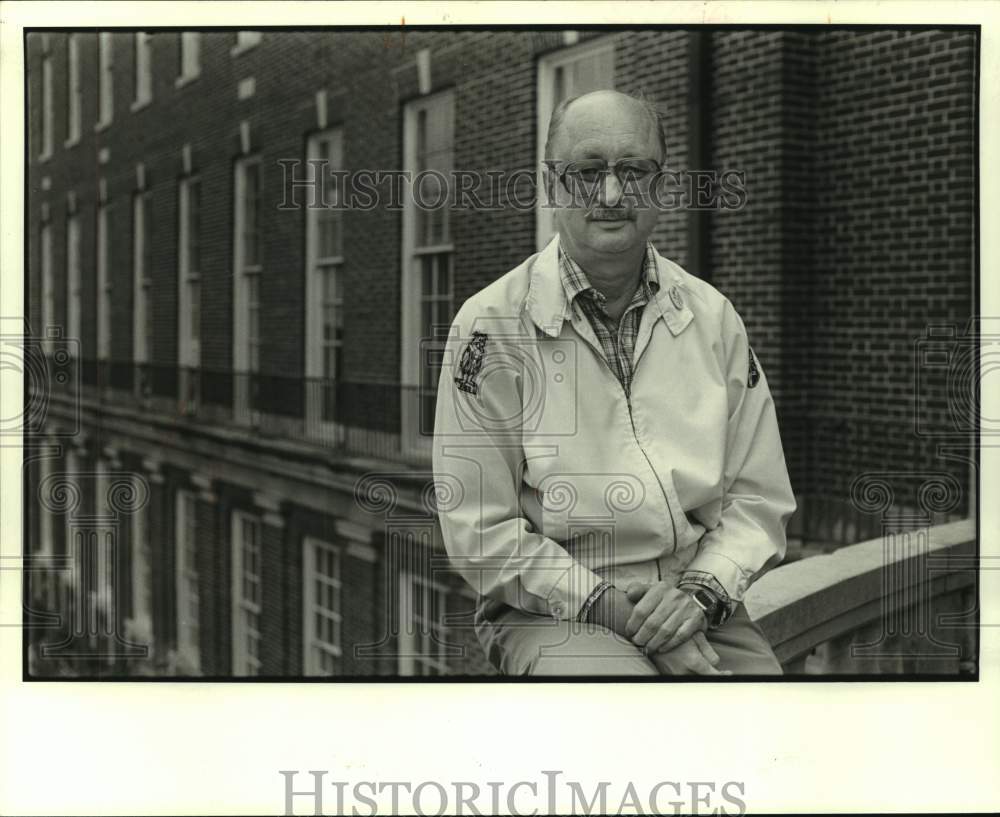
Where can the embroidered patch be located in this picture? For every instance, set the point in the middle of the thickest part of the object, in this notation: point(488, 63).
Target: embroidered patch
point(472, 363)
point(753, 376)
point(675, 297)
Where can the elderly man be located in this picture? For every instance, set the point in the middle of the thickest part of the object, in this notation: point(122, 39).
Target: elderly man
point(610, 473)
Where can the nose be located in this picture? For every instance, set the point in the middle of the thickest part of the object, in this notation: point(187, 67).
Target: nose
point(612, 189)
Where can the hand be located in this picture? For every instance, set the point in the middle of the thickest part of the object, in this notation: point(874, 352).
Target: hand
point(664, 617)
point(694, 657)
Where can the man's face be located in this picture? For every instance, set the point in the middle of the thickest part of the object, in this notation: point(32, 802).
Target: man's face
point(609, 127)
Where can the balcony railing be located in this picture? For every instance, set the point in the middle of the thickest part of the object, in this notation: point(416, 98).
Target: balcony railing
point(369, 419)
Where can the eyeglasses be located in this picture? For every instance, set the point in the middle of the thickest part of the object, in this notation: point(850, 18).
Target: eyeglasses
point(582, 176)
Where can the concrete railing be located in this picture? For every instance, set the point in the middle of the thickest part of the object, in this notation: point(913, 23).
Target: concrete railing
point(902, 603)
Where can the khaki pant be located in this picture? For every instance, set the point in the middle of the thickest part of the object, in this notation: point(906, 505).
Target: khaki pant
point(519, 643)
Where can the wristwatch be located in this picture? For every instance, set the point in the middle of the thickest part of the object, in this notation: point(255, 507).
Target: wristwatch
point(711, 605)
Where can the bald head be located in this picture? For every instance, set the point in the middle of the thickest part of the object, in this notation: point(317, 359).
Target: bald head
point(577, 115)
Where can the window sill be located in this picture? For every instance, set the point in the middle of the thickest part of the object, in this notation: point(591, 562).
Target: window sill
point(185, 79)
point(44, 157)
point(236, 50)
point(102, 125)
point(139, 104)
point(69, 143)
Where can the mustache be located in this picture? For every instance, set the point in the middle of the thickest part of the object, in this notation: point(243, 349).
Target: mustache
point(610, 214)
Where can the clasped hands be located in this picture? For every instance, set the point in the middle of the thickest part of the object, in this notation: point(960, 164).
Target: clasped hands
point(670, 627)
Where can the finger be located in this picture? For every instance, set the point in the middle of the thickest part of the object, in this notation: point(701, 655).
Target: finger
point(665, 638)
point(652, 625)
point(683, 630)
point(708, 651)
point(636, 591)
point(699, 665)
point(646, 605)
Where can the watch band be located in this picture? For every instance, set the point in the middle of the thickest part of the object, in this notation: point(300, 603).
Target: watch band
point(711, 605)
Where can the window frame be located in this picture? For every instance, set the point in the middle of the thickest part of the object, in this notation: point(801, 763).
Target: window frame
point(319, 270)
point(545, 105)
point(245, 664)
point(140, 528)
point(310, 608)
point(48, 284)
point(104, 283)
point(189, 57)
point(142, 277)
point(105, 80)
point(413, 652)
point(188, 580)
point(142, 80)
point(74, 280)
point(47, 135)
point(74, 91)
point(413, 342)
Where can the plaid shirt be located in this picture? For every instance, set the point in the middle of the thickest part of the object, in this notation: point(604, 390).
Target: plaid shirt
point(617, 338)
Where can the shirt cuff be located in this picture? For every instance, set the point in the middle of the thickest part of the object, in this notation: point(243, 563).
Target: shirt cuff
point(571, 591)
point(709, 582)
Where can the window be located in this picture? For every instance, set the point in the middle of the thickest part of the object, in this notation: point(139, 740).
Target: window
point(428, 149)
point(246, 278)
point(104, 553)
point(190, 43)
point(324, 295)
point(103, 285)
point(142, 570)
point(73, 283)
point(423, 606)
point(246, 594)
point(245, 40)
point(46, 107)
point(48, 283)
point(188, 599)
point(106, 79)
point(321, 606)
point(143, 70)
point(189, 275)
point(567, 73)
point(75, 91)
point(142, 262)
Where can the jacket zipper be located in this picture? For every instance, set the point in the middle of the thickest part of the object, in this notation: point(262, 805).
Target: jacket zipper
point(635, 436)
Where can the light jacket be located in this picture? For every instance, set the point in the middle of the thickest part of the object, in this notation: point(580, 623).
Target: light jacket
point(548, 475)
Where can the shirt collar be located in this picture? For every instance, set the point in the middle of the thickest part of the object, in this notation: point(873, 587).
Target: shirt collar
point(548, 303)
point(575, 282)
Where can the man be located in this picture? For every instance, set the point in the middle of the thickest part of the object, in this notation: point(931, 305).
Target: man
point(610, 473)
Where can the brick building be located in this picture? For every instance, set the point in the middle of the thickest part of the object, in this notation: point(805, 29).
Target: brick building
point(235, 409)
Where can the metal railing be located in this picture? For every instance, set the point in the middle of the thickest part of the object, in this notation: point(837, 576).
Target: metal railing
point(370, 419)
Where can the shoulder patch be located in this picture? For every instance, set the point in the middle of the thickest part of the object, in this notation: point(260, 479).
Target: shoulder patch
point(753, 376)
point(471, 363)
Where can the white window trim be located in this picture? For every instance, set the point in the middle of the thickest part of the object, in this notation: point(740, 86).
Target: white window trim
point(140, 623)
point(188, 652)
point(412, 441)
point(74, 282)
point(410, 652)
point(48, 279)
point(193, 40)
point(241, 329)
point(141, 278)
point(244, 42)
point(74, 92)
point(239, 604)
point(543, 112)
point(188, 349)
point(143, 80)
point(315, 270)
point(105, 81)
point(309, 543)
point(103, 285)
point(48, 113)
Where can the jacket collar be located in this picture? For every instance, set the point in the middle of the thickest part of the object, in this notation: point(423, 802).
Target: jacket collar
point(548, 306)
